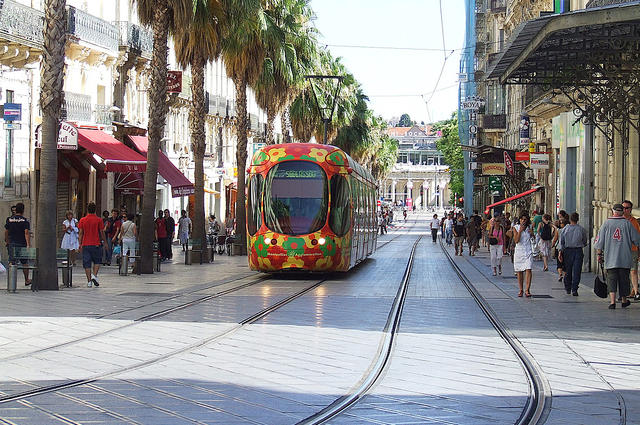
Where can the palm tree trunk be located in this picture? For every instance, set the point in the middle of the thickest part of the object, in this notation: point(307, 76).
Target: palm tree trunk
point(271, 118)
point(50, 102)
point(198, 140)
point(157, 117)
point(286, 125)
point(241, 159)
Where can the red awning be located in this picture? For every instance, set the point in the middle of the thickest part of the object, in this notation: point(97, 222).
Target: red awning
point(116, 156)
point(129, 183)
point(512, 198)
point(180, 185)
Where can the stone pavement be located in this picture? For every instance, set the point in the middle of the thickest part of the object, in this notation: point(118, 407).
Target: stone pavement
point(589, 354)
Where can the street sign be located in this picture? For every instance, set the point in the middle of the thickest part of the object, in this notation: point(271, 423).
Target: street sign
point(12, 111)
point(10, 125)
point(508, 163)
point(472, 105)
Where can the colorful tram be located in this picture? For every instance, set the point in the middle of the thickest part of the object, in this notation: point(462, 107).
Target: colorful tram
point(310, 207)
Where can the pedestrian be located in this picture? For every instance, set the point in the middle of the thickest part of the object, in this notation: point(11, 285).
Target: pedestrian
point(496, 243)
point(448, 229)
point(126, 237)
point(70, 236)
point(573, 239)
point(170, 223)
point(563, 221)
point(404, 213)
point(105, 221)
point(545, 235)
point(434, 225)
point(91, 236)
point(16, 236)
point(459, 228)
point(628, 206)
point(484, 228)
point(523, 253)
point(111, 229)
point(613, 245)
point(473, 230)
point(184, 229)
point(161, 235)
point(536, 220)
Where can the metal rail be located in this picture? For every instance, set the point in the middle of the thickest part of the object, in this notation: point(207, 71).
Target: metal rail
point(538, 405)
point(382, 358)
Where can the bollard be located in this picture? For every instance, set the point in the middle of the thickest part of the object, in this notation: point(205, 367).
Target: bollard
point(12, 278)
point(158, 261)
point(187, 257)
point(66, 276)
point(155, 259)
point(212, 253)
point(124, 265)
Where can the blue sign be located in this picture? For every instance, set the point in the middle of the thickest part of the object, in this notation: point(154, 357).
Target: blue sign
point(12, 111)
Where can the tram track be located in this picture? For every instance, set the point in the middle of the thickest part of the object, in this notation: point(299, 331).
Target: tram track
point(538, 405)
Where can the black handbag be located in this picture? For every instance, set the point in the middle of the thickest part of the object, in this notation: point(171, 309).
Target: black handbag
point(600, 286)
point(493, 241)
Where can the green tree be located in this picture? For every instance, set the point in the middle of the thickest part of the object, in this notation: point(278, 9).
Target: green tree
point(50, 103)
point(290, 50)
point(405, 121)
point(197, 42)
point(243, 55)
point(449, 145)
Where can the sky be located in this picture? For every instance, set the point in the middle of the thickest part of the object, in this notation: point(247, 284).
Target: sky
point(394, 79)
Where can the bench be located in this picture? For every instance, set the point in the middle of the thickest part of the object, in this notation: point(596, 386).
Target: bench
point(123, 271)
point(193, 245)
point(29, 255)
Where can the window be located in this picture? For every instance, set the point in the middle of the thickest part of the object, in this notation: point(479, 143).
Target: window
point(295, 199)
point(254, 218)
point(340, 214)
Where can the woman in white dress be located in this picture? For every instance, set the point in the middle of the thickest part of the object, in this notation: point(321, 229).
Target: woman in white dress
point(70, 236)
point(523, 254)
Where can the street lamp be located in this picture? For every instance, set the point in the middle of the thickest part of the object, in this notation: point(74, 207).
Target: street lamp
point(326, 111)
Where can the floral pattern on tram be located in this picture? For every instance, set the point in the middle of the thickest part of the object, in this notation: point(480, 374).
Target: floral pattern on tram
point(271, 251)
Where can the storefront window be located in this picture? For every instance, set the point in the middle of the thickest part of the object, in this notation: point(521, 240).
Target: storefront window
point(340, 215)
point(295, 201)
point(254, 218)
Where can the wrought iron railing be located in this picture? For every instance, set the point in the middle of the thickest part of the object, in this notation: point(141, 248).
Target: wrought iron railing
point(494, 122)
point(76, 107)
point(103, 114)
point(255, 124)
point(135, 37)
point(21, 24)
point(92, 29)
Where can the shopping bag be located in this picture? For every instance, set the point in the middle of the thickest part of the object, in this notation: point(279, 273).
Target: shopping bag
point(117, 250)
point(600, 285)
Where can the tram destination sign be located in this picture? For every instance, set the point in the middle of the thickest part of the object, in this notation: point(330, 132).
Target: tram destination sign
point(299, 174)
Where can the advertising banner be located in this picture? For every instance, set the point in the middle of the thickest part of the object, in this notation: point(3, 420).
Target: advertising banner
point(539, 161)
point(508, 163)
point(524, 130)
point(522, 156)
point(494, 169)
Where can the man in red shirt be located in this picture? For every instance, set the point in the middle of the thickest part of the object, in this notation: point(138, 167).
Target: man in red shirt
point(91, 237)
point(161, 235)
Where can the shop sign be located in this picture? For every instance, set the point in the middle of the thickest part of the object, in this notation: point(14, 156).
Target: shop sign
point(182, 191)
point(508, 163)
point(494, 169)
point(174, 81)
point(472, 104)
point(67, 136)
point(522, 156)
point(539, 161)
point(524, 130)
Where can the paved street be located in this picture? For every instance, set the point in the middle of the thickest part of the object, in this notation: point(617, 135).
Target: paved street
point(179, 347)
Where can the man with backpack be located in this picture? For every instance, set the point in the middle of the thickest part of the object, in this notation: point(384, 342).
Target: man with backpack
point(545, 234)
point(459, 233)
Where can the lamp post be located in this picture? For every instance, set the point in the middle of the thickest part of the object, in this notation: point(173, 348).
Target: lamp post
point(326, 111)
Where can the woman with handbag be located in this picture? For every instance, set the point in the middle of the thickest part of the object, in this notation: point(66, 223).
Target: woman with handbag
point(127, 237)
point(523, 254)
point(496, 243)
point(70, 236)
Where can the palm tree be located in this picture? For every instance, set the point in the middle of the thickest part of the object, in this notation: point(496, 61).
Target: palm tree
point(50, 103)
point(163, 16)
point(290, 49)
point(195, 45)
point(243, 55)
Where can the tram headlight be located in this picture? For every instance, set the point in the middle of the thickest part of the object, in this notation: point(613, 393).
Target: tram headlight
point(322, 241)
point(267, 240)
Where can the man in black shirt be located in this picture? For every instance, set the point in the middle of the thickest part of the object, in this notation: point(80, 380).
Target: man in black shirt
point(170, 223)
point(16, 235)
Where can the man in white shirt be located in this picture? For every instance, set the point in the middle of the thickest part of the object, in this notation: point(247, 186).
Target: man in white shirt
point(435, 224)
point(448, 229)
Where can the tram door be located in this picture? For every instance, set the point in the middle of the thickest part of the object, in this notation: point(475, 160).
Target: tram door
point(356, 221)
point(365, 220)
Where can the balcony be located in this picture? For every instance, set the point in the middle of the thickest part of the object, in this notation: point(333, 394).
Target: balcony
point(498, 6)
point(493, 122)
point(254, 123)
point(90, 29)
point(21, 24)
point(135, 38)
point(103, 114)
point(76, 107)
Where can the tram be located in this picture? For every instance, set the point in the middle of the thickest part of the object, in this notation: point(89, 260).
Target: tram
point(310, 207)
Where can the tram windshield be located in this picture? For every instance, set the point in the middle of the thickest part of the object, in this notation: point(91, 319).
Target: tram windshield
point(295, 199)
